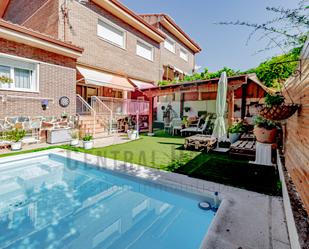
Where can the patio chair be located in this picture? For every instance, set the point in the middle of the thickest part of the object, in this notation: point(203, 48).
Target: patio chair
point(197, 129)
point(33, 128)
point(176, 125)
point(167, 126)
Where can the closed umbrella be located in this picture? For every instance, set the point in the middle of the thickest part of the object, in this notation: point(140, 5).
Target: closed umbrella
point(219, 126)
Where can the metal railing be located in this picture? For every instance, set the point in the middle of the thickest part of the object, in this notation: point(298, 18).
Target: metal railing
point(110, 109)
point(103, 111)
point(125, 106)
point(84, 109)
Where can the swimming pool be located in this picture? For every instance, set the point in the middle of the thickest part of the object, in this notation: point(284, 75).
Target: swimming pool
point(50, 201)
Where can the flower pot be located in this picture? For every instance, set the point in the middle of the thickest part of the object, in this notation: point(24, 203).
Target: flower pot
point(74, 142)
point(132, 134)
point(16, 146)
point(278, 112)
point(234, 137)
point(265, 136)
point(88, 145)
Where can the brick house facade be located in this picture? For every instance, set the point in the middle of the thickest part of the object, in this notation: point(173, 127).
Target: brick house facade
point(51, 75)
point(79, 26)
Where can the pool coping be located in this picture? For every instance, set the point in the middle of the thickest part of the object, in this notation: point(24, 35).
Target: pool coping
point(229, 196)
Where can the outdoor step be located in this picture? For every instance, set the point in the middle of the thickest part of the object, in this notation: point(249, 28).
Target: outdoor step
point(101, 135)
point(86, 121)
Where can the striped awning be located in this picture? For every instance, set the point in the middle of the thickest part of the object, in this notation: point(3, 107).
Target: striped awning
point(100, 78)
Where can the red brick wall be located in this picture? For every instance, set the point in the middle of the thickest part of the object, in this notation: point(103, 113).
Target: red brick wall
point(50, 14)
point(57, 77)
point(18, 11)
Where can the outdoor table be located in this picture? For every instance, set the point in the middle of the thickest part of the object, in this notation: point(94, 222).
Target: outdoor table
point(200, 142)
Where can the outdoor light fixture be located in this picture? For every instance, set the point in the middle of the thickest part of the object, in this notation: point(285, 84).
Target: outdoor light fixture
point(44, 104)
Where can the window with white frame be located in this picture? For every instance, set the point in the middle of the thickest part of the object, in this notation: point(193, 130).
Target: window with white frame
point(170, 45)
point(144, 50)
point(22, 74)
point(184, 54)
point(111, 33)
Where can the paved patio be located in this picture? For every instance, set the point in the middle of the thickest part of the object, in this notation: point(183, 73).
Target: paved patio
point(98, 143)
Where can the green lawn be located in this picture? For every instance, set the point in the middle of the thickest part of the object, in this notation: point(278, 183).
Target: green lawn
point(167, 153)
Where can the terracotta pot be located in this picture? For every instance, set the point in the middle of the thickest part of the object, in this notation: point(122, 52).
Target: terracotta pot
point(265, 136)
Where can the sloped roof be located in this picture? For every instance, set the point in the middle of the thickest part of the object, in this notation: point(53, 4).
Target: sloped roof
point(167, 22)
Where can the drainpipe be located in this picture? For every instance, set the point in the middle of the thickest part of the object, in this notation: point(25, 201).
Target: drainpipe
point(65, 14)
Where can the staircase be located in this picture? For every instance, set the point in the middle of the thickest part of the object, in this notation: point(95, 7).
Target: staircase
point(100, 118)
point(97, 126)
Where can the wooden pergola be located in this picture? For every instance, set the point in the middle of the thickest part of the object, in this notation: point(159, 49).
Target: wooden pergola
point(239, 87)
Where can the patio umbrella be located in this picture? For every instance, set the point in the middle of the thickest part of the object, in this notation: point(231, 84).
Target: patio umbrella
point(219, 126)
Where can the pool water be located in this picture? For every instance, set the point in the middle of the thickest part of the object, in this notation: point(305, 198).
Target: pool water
point(53, 202)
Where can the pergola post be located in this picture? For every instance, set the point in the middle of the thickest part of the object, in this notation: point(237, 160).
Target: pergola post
point(150, 115)
point(231, 107)
point(243, 101)
point(182, 100)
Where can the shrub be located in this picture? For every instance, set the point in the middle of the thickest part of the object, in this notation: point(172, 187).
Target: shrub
point(87, 138)
point(237, 127)
point(264, 123)
point(16, 135)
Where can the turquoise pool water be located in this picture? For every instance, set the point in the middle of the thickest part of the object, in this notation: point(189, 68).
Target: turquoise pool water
point(54, 202)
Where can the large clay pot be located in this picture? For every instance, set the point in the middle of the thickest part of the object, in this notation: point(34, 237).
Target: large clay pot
point(265, 136)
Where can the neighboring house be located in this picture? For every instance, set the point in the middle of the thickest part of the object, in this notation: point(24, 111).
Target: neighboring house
point(40, 68)
point(178, 50)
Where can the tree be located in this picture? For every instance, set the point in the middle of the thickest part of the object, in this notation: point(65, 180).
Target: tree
point(287, 30)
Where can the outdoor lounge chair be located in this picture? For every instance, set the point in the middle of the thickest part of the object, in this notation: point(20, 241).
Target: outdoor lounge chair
point(197, 129)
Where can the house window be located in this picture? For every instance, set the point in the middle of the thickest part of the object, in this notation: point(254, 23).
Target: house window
point(22, 75)
point(144, 50)
point(170, 45)
point(184, 54)
point(111, 33)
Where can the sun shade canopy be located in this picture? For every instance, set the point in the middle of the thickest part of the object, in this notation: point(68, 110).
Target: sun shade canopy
point(142, 84)
point(100, 78)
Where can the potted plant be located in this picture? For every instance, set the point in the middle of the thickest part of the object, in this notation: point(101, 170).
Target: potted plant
point(88, 142)
point(187, 108)
point(16, 136)
point(235, 131)
point(265, 130)
point(5, 80)
point(75, 138)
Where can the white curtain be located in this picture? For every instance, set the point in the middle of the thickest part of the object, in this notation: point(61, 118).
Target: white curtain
point(219, 127)
point(22, 78)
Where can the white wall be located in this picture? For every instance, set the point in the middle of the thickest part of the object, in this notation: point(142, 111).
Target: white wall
point(196, 106)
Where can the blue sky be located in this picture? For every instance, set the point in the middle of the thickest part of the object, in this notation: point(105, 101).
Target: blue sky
point(222, 45)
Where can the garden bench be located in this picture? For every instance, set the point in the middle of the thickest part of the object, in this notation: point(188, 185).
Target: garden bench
point(243, 148)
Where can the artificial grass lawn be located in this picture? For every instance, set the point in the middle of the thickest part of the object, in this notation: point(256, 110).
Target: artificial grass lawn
point(167, 153)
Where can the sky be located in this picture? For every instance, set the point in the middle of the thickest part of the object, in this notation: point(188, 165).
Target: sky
point(222, 45)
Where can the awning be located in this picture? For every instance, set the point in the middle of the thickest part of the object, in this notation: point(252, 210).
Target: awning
point(142, 84)
point(100, 78)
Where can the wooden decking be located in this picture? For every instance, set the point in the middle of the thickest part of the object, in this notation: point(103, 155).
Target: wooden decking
point(243, 148)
